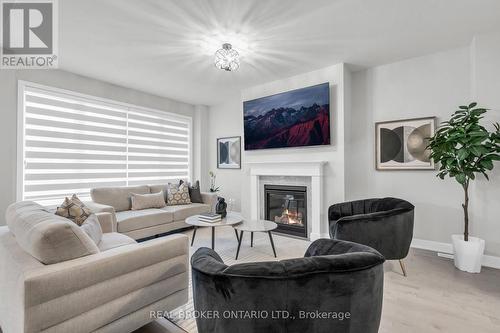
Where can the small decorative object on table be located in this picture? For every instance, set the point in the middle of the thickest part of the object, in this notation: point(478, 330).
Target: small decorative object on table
point(221, 206)
point(209, 217)
point(230, 204)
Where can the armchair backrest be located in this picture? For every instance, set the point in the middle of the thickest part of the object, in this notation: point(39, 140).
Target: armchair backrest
point(367, 206)
point(340, 279)
point(384, 224)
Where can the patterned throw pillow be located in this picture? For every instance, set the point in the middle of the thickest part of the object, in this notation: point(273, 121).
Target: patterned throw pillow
point(194, 192)
point(74, 210)
point(178, 194)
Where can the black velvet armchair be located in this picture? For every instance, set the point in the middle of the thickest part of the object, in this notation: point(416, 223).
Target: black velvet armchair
point(336, 287)
point(384, 224)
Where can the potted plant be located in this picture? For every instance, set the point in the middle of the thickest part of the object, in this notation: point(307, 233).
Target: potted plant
point(464, 149)
point(213, 188)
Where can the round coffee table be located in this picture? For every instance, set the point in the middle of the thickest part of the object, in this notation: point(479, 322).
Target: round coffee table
point(255, 226)
point(231, 219)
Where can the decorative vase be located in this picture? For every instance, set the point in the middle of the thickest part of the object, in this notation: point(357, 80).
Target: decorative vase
point(220, 207)
point(468, 255)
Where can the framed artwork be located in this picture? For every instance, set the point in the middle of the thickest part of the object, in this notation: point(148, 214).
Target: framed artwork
point(229, 153)
point(295, 118)
point(401, 144)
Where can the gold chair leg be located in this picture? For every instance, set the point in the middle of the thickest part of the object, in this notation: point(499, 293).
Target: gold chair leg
point(403, 268)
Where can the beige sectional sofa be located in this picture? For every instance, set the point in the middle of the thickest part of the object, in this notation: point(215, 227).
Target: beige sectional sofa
point(147, 222)
point(110, 286)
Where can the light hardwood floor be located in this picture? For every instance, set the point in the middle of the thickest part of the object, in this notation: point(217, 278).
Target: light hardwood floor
point(435, 297)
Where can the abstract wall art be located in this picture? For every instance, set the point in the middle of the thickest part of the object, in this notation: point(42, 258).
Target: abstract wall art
point(402, 144)
point(229, 153)
point(294, 118)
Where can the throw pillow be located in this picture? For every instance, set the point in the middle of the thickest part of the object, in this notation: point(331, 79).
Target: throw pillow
point(178, 194)
point(194, 192)
point(74, 209)
point(144, 201)
point(92, 228)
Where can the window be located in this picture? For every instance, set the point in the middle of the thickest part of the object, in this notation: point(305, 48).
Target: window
point(69, 143)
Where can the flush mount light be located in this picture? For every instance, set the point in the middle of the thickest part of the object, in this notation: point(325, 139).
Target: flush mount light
point(227, 58)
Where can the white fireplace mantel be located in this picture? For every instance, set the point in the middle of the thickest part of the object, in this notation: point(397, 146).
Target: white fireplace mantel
point(313, 169)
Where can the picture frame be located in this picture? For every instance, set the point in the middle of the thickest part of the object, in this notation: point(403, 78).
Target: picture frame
point(290, 119)
point(229, 152)
point(401, 144)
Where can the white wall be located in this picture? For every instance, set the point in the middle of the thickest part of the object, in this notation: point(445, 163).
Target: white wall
point(65, 80)
point(485, 71)
point(432, 85)
point(227, 120)
point(200, 134)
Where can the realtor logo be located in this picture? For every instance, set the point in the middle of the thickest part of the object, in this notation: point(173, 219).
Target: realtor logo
point(29, 34)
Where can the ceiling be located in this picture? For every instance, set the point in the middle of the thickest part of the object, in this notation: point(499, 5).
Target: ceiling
point(165, 47)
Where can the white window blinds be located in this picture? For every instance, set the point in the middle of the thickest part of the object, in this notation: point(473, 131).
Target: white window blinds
point(71, 143)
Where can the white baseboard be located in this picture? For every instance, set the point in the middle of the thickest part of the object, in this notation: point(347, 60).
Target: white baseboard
point(446, 250)
point(491, 261)
point(431, 245)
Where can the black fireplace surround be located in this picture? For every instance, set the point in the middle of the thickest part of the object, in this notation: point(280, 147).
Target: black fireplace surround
point(287, 206)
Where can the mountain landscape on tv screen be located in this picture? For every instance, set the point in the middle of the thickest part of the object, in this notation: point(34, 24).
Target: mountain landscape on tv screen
point(302, 120)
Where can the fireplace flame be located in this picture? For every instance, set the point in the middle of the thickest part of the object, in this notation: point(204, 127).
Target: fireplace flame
point(289, 217)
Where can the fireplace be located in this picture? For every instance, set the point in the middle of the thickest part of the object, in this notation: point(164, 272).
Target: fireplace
point(287, 206)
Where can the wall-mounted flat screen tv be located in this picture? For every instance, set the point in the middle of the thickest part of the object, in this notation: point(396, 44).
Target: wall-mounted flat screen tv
point(294, 118)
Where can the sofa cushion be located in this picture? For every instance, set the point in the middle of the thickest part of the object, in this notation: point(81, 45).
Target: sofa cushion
point(114, 239)
point(144, 201)
point(74, 209)
point(138, 219)
point(194, 192)
point(162, 187)
point(159, 188)
point(182, 212)
point(178, 194)
point(117, 197)
point(92, 228)
point(46, 236)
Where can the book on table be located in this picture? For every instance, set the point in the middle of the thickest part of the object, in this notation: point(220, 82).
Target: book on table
point(209, 217)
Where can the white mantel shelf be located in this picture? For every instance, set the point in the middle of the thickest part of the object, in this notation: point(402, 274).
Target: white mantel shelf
point(288, 168)
point(318, 226)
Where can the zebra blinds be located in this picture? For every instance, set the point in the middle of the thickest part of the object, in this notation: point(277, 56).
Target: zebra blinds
point(72, 143)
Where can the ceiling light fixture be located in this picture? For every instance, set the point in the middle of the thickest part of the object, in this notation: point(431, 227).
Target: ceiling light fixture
point(227, 58)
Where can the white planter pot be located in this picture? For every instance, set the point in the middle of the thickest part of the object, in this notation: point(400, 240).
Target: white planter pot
point(468, 255)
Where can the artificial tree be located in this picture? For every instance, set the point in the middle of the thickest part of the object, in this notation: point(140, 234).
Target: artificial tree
point(464, 148)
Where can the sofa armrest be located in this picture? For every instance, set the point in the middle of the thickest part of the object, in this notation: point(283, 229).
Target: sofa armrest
point(210, 199)
point(58, 292)
point(107, 222)
point(99, 208)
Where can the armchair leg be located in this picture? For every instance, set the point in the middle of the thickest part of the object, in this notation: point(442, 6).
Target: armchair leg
point(403, 268)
